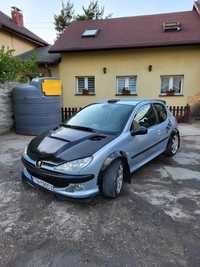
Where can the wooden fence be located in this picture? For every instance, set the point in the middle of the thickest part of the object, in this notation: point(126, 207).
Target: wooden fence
point(181, 113)
point(67, 113)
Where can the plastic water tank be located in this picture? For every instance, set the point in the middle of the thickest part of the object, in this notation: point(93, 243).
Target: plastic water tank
point(37, 106)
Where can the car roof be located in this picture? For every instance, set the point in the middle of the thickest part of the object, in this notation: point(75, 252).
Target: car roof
point(134, 102)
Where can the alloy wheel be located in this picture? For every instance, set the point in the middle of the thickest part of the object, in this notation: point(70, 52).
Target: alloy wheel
point(119, 179)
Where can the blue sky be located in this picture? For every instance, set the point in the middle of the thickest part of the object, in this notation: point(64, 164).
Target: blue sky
point(38, 15)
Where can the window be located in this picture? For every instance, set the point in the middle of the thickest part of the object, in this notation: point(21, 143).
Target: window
point(172, 26)
point(85, 85)
point(90, 33)
point(126, 85)
point(145, 117)
point(161, 111)
point(172, 85)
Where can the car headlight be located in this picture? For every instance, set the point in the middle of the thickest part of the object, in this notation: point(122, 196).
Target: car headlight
point(75, 165)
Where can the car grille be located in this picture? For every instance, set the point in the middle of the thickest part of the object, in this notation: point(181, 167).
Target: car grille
point(48, 178)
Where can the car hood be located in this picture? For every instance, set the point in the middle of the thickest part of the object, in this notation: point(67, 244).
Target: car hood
point(66, 144)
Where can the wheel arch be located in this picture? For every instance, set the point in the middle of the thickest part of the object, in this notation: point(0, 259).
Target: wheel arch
point(109, 160)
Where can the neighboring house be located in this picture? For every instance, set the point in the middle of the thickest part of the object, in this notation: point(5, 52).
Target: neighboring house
point(14, 35)
point(152, 56)
point(48, 63)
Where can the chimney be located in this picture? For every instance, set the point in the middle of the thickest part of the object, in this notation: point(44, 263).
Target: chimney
point(17, 16)
point(197, 6)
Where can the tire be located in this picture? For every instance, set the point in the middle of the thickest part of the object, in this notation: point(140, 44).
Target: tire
point(173, 144)
point(113, 180)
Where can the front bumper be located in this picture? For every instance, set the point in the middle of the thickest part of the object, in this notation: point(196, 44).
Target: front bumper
point(60, 184)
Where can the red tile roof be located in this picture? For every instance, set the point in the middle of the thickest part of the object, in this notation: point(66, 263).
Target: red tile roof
point(131, 32)
point(7, 24)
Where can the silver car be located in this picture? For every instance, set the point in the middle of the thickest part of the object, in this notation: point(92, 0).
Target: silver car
point(100, 148)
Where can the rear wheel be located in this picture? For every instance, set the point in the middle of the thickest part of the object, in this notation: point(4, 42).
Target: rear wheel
point(113, 180)
point(173, 144)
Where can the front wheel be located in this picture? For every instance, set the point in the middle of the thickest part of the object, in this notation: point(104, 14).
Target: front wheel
point(113, 180)
point(173, 144)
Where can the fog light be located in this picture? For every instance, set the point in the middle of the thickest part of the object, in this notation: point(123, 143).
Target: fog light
point(75, 187)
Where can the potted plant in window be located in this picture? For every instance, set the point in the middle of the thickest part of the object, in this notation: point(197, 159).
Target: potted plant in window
point(85, 92)
point(126, 91)
point(170, 92)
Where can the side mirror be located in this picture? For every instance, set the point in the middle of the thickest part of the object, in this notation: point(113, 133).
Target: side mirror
point(141, 131)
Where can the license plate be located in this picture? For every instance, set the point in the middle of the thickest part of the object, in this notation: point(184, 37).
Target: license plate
point(43, 184)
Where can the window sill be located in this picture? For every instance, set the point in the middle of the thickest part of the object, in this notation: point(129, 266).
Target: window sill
point(126, 95)
point(85, 94)
point(165, 95)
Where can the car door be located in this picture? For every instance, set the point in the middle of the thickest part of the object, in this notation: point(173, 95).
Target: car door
point(163, 127)
point(141, 147)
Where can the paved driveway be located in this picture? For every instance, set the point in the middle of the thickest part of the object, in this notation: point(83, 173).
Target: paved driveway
point(156, 222)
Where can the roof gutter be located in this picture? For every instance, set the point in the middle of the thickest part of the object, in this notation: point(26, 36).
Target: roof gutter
point(123, 47)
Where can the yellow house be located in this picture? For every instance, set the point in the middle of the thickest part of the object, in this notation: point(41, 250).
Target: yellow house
point(154, 56)
point(14, 35)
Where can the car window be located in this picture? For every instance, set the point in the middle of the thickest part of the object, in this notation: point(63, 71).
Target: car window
point(102, 117)
point(145, 117)
point(161, 111)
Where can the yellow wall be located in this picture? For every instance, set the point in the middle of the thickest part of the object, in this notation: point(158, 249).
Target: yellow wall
point(13, 42)
point(165, 61)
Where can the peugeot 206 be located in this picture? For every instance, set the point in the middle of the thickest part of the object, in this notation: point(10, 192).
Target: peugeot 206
point(100, 148)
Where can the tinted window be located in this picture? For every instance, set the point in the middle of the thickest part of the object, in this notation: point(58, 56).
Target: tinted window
point(145, 117)
point(161, 111)
point(104, 117)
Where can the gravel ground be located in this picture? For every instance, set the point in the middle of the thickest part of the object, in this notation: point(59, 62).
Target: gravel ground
point(156, 221)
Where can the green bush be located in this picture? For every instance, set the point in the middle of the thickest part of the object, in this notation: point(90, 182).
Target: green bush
point(14, 69)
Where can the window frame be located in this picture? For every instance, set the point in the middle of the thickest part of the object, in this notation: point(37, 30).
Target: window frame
point(80, 92)
point(171, 81)
point(127, 82)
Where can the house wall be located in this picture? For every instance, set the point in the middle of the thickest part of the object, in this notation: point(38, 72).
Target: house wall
point(55, 71)
point(13, 42)
point(49, 71)
point(165, 61)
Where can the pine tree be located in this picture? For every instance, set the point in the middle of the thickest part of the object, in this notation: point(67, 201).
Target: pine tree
point(92, 12)
point(64, 19)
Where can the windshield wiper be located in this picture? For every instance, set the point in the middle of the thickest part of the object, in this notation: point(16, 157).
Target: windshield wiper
point(87, 129)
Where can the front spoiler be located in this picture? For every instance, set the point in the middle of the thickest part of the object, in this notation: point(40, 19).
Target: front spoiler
point(87, 193)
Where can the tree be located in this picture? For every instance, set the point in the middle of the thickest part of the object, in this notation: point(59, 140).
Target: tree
point(14, 69)
point(64, 19)
point(92, 12)
point(8, 65)
point(28, 69)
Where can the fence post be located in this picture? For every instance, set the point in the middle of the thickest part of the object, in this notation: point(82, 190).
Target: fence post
point(188, 113)
point(65, 113)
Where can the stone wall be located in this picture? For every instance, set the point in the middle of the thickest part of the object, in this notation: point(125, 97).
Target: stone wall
point(6, 111)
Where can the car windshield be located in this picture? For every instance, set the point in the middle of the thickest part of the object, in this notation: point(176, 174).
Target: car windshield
point(103, 117)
